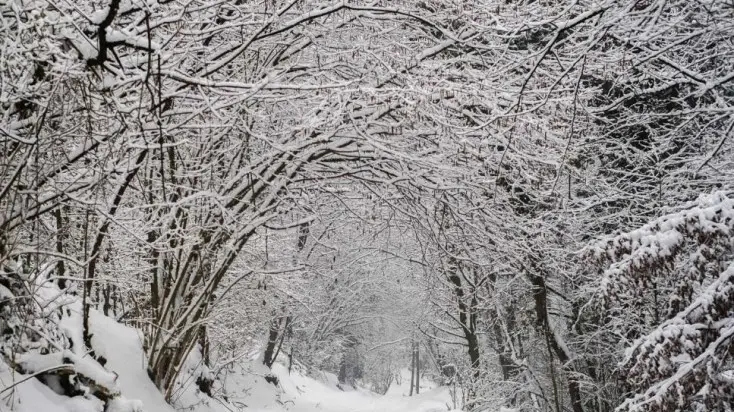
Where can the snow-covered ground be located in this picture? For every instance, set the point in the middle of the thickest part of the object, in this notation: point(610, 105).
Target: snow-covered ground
point(311, 395)
point(243, 387)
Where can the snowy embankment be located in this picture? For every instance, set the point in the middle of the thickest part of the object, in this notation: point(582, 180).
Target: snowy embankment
point(242, 387)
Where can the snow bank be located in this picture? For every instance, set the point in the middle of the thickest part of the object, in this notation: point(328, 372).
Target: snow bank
point(23, 393)
point(122, 347)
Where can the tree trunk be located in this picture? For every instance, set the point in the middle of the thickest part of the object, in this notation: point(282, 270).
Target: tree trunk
point(412, 368)
point(417, 369)
point(540, 294)
point(467, 317)
point(290, 361)
point(268, 358)
point(97, 245)
point(61, 228)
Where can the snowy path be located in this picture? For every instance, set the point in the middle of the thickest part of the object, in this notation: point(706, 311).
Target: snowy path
point(310, 395)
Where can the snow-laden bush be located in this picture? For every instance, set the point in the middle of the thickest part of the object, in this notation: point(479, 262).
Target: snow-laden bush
point(679, 355)
point(42, 341)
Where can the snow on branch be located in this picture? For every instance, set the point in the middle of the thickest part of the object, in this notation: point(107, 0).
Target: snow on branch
point(635, 256)
point(681, 362)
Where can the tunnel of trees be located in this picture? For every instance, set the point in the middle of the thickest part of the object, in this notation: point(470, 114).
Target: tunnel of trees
point(532, 200)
